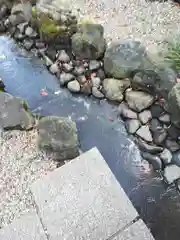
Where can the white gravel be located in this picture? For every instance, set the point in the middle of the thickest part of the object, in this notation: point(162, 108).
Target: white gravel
point(20, 164)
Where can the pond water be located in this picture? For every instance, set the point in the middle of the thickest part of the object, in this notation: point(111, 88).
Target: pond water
point(25, 76)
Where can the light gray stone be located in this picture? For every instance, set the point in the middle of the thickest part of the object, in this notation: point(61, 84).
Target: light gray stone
point(165, 118)
point(153, 159)
point(96, 81)
point(62, 56)
point(145, 116)
point(166, 156)
point(172, 145)
point(74, 86)
point(145, 133)
point(126, 112)
point(94, 65)
point(54, 68)
point(65, 78)
point(28, 227)
point(132, 125)
point(171, 173)
point(80, 199)
point(137, 231)
point(97, 93)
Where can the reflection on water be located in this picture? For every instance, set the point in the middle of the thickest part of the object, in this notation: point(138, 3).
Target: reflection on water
point(25, 76)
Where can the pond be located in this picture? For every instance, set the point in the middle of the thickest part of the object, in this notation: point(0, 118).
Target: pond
point(25, 76)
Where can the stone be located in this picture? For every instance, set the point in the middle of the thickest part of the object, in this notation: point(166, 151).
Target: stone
point(173, 132)
point(88, 42)
point(14, 113)
point(47, 61)
point(138, 101)
point(173, 146)
point(59, 135)
point(54, 68)
point(19, 36)
point(101, 74)
point(94, 65)
point(159, 133)
point(28, 44)
point(67, 67)
point(145, 116)
point(174, 103)
point(156, 110)
point(114, 88)
point(51, 53)
point(2, 28)
point(86, 88)
point(39, 44)
point(144, 133)
point(3, 11)
point(125, 57)
point(74, 86)
point(165, 118)
point(65, 78)
point(97, 93)
point(16, 19)
point(132, 125)
point(96, 82)
point(152, 159)
point(176, 158)
point(63, 57)
point(143, 146)
point(22, 27)
point(29, 32)
point(79, 70)
point(171, 173)
point(82, 79)
point(85, 192)
point(125, 112)
point(24, 8)
point(166, 156)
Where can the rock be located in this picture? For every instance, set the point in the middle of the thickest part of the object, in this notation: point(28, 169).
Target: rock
point(65, 78)
point(14, 113)
point(79, 70)
point(114, 89)
point(176, 158)
point(22, 27)
point(101, 74)
point(67, 67)
point(174, 104)
point(144, 133)
point(47, 60)
point(39, 44)
point(132, 125)
point(165, 118)
point(63, 57)
point(143, 146)
point(178, 185)
point(138, 101)
point(3, 11)
point(51, 53)
point(125, 57)
point(171, 173)
point(155, 82)
point(166, 156)
point(23, 8)
point(145, 116)
point(73, 86)
point(29, 32)
point(54, 68)
point(59, 135)
point(81, 79)
point(97, 93)
point(86, 88)
point(2, 28)
point(96, 82)
point(19, 36)
point(159, 133)
point(125, 112)
point(88, 42)
point(94, 65)
point(154, 160)
point(173, 146)
point(28, 44)
point(156, 110)
point(173, 132)
point(16, 19)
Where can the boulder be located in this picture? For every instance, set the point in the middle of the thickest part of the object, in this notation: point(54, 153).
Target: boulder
point(123, 58)
point(14, 113)
point(138, 101)
point(114, 88)
point(59, 135)
point(88, 42)
point(145, 116)
point(173, 146)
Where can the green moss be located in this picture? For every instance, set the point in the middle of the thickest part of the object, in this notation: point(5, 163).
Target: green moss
point(34, 12)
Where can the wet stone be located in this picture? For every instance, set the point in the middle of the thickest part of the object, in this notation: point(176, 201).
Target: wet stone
point(97, 93)
point(94, 65)
point(82, 79)
point(178, 185)
point(54, 68)
point(145, 116)
point(171, 173)
point(166, 156)
point(101, 74)
point(143, 146)
point(39, 44)
point(86, 88)
point(158, 132)
point(65, 78)
point(22, 27)
point(176, 158)
point(132, 125)
point(73, 86)
point(144, 133)
point(96, 82)
point(156, 110)
point(67, 67)
point(174, 132)
point(173, 146)
point(165, 118)
point(126, 112)
point(154, 160)
point(79, 70)
point(62, 56)
point(28, 44)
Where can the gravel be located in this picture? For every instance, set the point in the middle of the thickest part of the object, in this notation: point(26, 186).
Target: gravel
point(20, 165)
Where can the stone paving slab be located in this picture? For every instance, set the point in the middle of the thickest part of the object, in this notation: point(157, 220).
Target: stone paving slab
point(82, 200)
point(28, 227)
point(137, 231)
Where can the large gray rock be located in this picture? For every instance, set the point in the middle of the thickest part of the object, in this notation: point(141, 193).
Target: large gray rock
point(125, 57)
point(88, 42)
point(59, 135)
point(153, 159)
point(14, 113)
point(138, 100)
point(114, 88)
point(132, 125)
point(174, 104)
point(126, 112)
point(144, 133)
point(23, 8)
point(171, 173)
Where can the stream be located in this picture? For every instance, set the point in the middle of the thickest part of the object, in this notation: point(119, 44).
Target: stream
point(25, 76)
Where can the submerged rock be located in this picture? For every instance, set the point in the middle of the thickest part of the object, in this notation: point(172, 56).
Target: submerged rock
point(173, 146)
point(145, 116)
point(59, 135)
point(143, 146)
point(154, 160)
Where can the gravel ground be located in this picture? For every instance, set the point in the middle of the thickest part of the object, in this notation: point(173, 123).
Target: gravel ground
point(20, 164)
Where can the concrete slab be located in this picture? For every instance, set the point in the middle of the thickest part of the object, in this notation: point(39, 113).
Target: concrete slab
point(28, 227)
point(137, 231)
point(82, 200)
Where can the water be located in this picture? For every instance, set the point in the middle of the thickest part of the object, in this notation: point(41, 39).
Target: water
point(25, 76)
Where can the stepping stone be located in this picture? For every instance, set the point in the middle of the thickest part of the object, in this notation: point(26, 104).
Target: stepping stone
point(82, 200)
point(28, 227)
